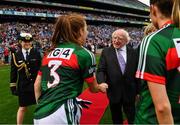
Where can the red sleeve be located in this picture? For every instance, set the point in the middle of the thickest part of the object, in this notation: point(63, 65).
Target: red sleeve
point(151, 77)
point(40, 73)
point(90, 79)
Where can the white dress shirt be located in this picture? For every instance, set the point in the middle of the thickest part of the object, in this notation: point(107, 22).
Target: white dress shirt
point(24, 52)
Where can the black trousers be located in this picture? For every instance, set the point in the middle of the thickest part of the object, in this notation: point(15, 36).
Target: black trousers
point(117, 110)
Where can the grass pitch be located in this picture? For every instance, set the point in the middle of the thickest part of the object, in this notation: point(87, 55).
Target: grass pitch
point(8, 102)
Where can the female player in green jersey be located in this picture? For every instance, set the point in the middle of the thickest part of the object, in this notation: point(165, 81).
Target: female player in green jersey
point(63, 72)
point(159, 66)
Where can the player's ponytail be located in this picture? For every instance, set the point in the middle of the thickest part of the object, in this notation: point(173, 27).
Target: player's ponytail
point(67, 28)
point(176, 13)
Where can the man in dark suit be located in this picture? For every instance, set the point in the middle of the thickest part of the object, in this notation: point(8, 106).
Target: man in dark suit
point(24, 67)
point(117, 67)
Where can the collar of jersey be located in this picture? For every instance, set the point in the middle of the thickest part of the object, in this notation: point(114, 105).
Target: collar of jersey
point(167, 23)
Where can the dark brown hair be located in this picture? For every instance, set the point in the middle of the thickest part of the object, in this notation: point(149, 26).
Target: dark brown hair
point(165, 6)
point(67, 28)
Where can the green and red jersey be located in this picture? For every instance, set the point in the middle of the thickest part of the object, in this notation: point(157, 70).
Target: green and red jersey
point(159, 62)
point(63, 72)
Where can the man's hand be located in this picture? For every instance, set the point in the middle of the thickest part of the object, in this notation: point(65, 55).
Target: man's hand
point(14, 90)
point(137, 98)
point(103, 87)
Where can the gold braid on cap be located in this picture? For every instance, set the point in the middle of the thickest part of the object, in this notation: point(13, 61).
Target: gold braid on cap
point(23, 65)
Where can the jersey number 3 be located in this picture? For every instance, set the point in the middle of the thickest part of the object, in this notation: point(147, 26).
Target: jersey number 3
point(54, 65)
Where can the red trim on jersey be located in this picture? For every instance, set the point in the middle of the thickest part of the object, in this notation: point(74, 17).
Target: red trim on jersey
point(72, 62)
point(138, 74)
point(172, 60)
point(90, 79)
point(39, 73)
point(44, 60)
point(151, 77)
point(166, 23)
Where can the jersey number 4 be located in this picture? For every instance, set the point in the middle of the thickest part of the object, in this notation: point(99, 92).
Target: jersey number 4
point(54, 65)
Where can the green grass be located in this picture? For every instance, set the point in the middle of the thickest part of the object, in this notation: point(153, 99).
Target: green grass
point(9, 103)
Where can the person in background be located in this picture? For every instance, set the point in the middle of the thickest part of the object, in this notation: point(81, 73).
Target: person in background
point(158, 67)
point(63, 71)
point(6, 55)
point(25, 64)
point(1, 54)
point(150, 28)
point(117, 67)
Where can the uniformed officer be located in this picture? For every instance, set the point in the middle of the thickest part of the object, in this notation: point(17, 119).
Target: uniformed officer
point(24, 67)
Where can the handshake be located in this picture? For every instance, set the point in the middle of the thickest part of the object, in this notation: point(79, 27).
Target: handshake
point(14, 90)
point(103, 87)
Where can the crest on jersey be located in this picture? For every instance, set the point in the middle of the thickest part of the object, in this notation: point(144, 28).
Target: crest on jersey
point(177, 46)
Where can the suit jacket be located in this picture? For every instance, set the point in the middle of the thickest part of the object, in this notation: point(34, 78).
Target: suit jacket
point(24, 72)
point(122, 87)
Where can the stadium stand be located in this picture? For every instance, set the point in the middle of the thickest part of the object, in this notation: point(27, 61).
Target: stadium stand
point(103, 17)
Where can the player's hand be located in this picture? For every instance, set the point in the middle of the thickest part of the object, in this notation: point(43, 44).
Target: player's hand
point(14, 91)
point(103, 87)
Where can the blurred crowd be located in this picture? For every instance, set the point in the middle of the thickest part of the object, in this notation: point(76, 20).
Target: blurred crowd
point(99, 36)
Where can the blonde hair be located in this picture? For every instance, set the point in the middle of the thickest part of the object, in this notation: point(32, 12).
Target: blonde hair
point(149, 29)
point(176, 13)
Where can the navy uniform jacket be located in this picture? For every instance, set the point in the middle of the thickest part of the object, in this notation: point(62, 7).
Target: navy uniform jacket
point(24, 72)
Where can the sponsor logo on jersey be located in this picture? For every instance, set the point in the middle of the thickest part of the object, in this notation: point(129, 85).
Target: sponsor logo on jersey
point(63, 53)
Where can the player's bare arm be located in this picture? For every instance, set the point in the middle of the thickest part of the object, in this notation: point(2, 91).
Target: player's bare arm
point(161, 103)
point(37, 87)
